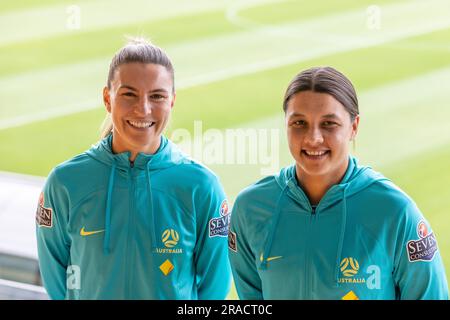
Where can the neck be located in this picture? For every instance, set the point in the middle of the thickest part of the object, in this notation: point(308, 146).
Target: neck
point(315, 187)
point(150, 148)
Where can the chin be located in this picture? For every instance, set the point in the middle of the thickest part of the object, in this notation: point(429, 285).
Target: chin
point(313, 170)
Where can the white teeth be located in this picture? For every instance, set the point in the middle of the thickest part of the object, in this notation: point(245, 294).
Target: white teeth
point(315, 153)
point(138, 124)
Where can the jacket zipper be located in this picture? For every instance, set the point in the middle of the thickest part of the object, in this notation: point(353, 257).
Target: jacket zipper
point(307, 280)
point(308, 277)
point(311, 276)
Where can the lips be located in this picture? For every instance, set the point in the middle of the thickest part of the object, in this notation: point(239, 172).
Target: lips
point(139, 124)
point(315, 154)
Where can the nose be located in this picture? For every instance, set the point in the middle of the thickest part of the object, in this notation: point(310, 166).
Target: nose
point(314, 136)
point(143, 107)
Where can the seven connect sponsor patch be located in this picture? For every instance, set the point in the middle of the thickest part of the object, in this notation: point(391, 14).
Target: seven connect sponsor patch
point(425, 247)
point(218, 227)
point(43, 215)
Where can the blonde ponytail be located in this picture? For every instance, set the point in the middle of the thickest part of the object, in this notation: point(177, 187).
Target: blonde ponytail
point(106, 127)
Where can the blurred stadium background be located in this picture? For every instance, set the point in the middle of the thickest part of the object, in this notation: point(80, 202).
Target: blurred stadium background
point(233, 61)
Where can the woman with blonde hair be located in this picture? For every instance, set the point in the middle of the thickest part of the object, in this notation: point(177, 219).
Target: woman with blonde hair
point(133, 217)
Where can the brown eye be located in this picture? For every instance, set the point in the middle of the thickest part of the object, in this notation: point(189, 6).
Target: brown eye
point(129, 94)
point(157, 97)
point(299, 123)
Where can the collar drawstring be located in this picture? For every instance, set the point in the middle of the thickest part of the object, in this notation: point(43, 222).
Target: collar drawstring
point(265, 254)
point(106, 240)
point(341, 236)
point(152, 223)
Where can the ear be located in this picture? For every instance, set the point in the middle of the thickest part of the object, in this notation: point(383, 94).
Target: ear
point(355, 126)
point(107, 99)
point(173, 100)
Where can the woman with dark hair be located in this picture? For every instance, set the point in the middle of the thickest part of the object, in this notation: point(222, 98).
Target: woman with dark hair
point(326, 227)
point(133, 217)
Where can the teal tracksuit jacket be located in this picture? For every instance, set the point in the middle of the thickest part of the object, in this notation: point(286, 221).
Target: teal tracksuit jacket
point(155, 229)
point(365, 240)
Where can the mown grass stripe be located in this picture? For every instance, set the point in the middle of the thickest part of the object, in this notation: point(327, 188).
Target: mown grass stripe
point(73, 47)
point(253, 57)
point(94, 15)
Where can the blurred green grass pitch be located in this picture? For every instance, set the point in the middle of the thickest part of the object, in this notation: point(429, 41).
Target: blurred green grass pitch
point(37, 147)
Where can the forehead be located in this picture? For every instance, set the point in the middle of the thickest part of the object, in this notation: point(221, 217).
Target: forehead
point(142, 75)
point(314, 104)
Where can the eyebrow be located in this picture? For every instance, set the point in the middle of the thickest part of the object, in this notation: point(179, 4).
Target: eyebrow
point(326, 116)
point(125, 86)
point(330, 116)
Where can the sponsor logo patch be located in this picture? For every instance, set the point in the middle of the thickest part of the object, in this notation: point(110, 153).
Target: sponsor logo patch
point(232, 241)
point(425, 247)
point(166, 267)
point(218, 227)
point(350, 296)
point(44, 216)
point(224, 208)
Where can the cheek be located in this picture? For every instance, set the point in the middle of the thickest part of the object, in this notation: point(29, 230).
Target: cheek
point(116, 113)
point(338, 141)
point(294, 139)
point(162, 112)
point(123, 106)
point(294, 135)
point(290, 136)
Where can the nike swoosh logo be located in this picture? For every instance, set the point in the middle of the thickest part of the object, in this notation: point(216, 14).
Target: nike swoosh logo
point(274, 258)
point(270, 258)
point(89, 233)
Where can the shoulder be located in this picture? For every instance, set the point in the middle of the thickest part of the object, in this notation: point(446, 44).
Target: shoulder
point(266, 188)
point(77, 171)
point(260, 197)
point(193, 173)
point(392, 201)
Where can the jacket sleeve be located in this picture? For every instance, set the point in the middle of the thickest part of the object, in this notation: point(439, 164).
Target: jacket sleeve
point(243, 261)
point(419, 272)
point(213, 274)
point(52, 238)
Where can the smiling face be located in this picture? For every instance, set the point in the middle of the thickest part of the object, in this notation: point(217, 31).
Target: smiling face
point(319, 130)
point(139, 100)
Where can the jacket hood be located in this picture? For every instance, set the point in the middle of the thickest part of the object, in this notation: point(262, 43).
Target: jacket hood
point(167, 155)
point(356, 179)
